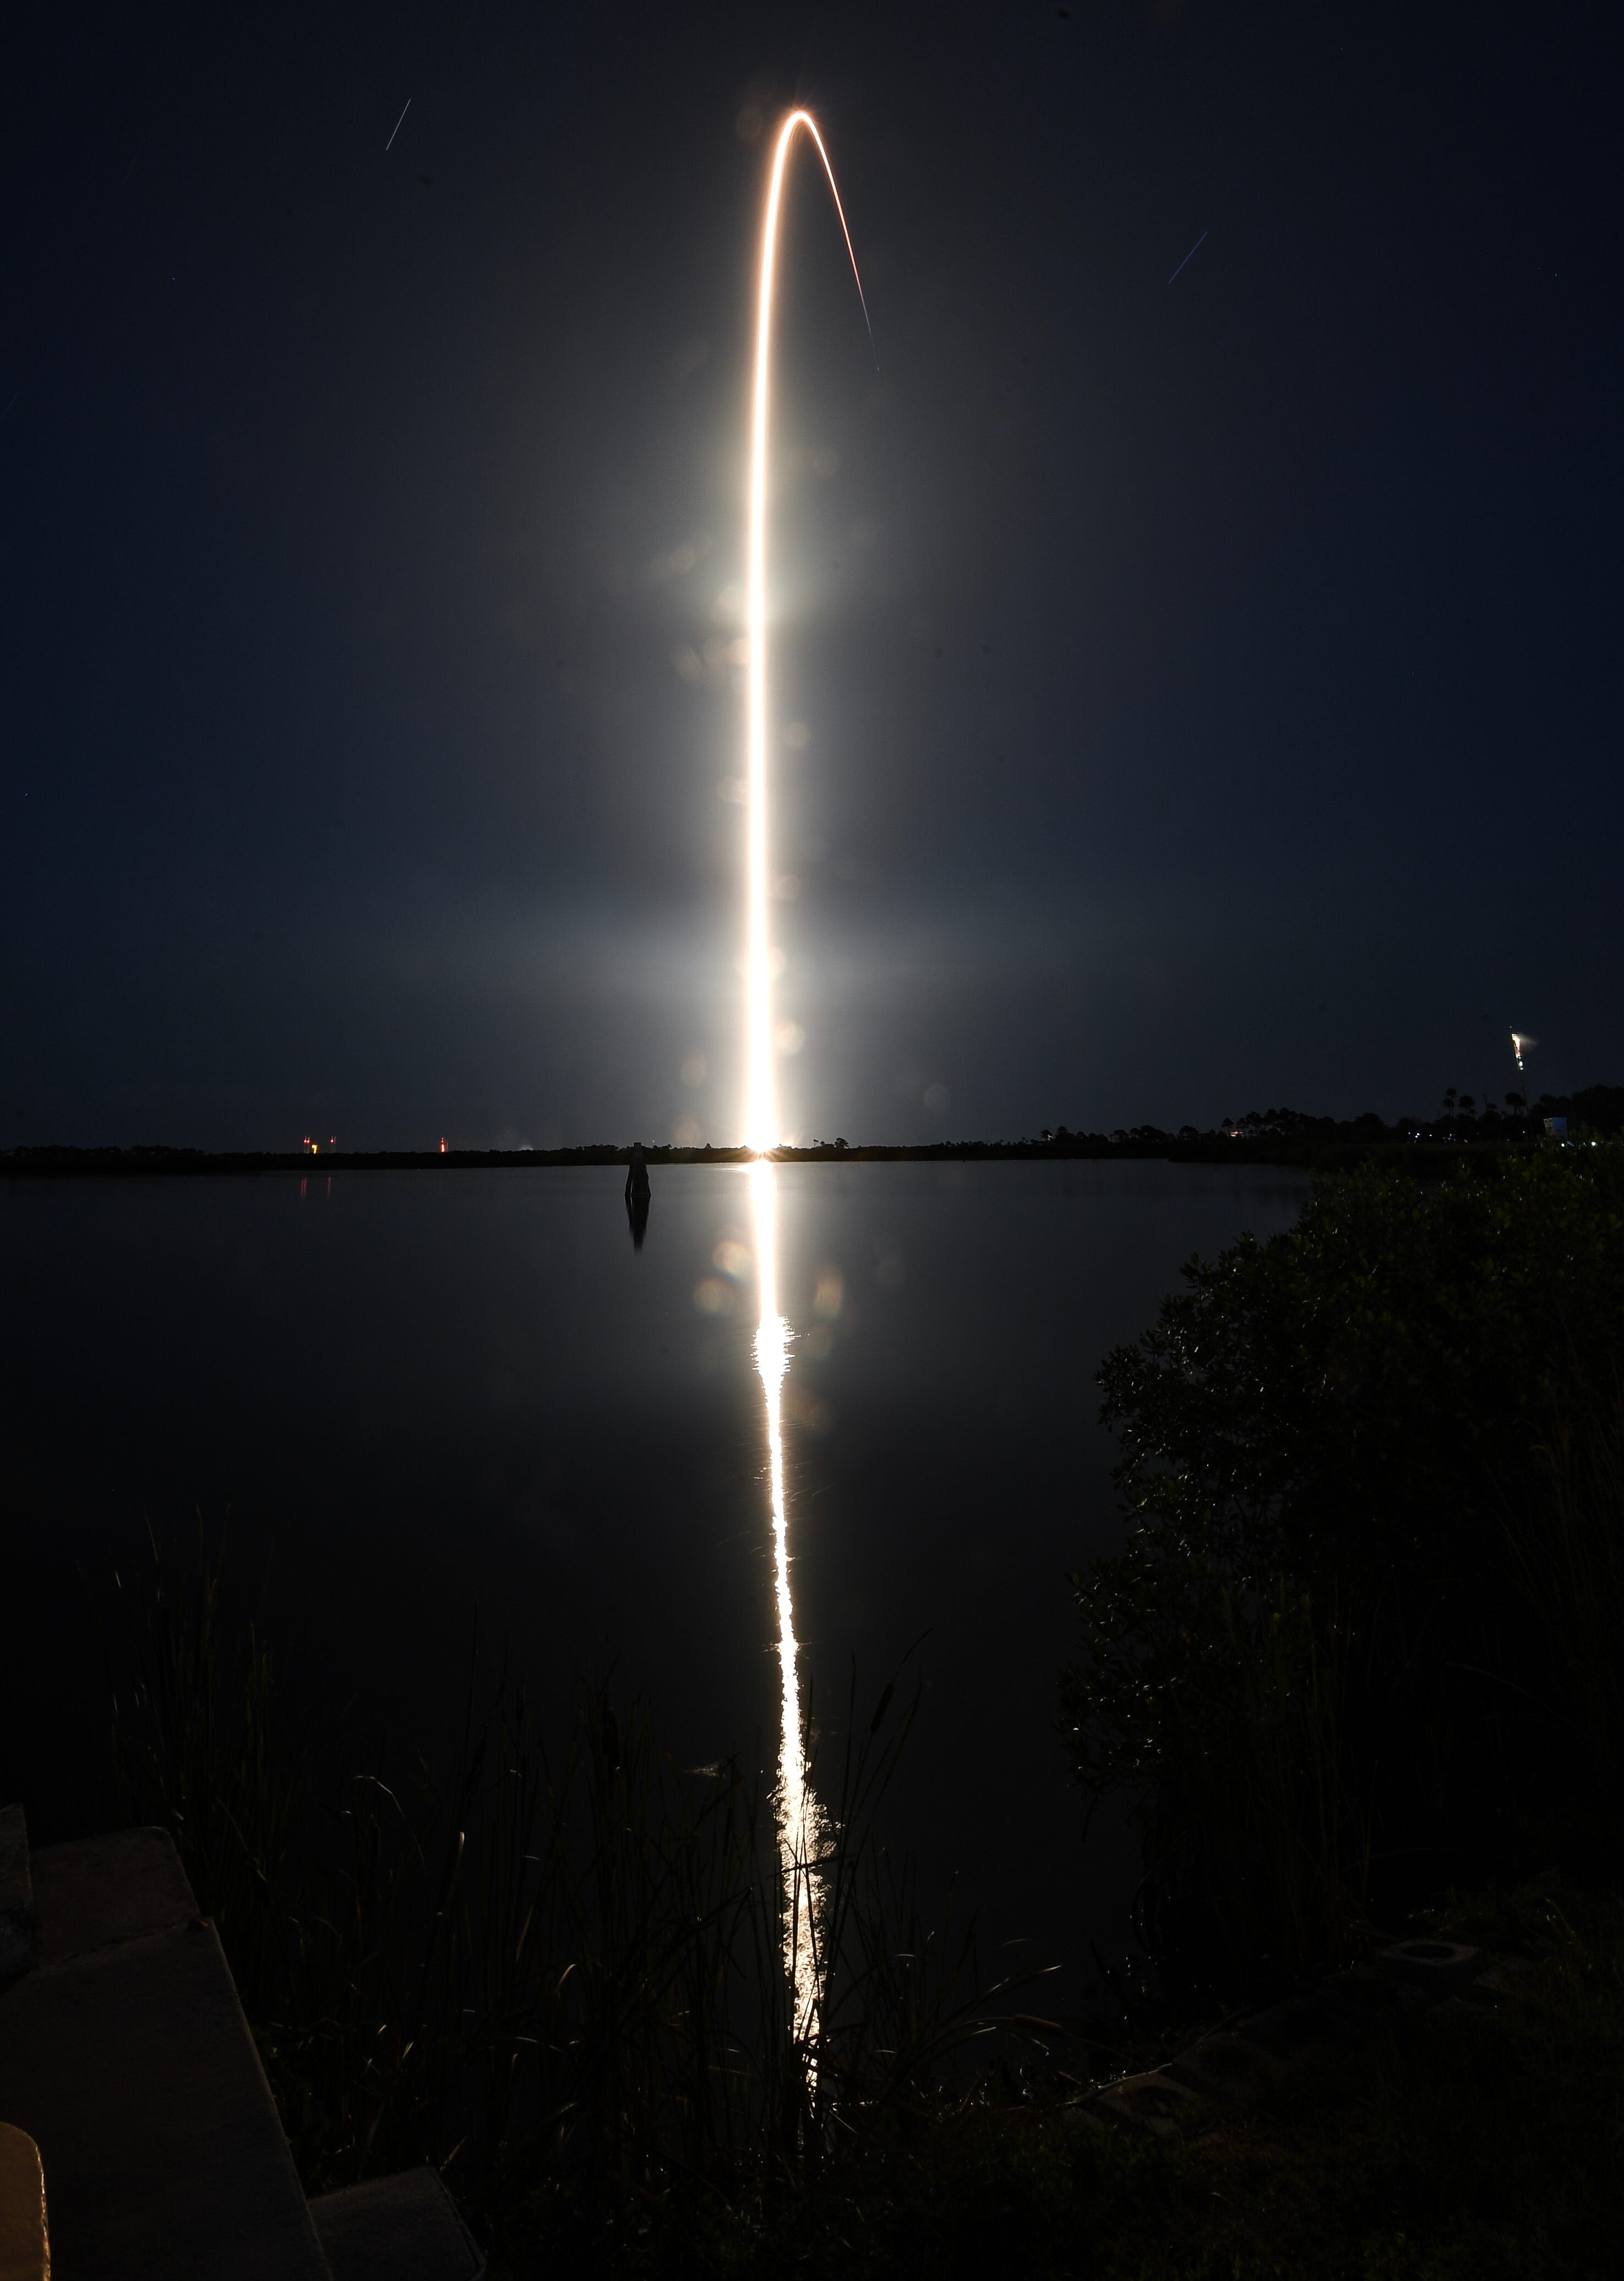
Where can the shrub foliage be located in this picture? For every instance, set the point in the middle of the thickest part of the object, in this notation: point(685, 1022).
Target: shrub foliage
point(1371, 1476)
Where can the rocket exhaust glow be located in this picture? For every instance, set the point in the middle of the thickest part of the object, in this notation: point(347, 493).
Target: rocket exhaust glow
point(801, 1825)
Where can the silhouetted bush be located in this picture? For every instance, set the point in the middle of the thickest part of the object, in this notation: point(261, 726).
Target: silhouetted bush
point(1338, 1653)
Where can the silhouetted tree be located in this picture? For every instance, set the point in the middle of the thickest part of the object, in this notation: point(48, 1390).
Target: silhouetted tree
point(1322, 1437)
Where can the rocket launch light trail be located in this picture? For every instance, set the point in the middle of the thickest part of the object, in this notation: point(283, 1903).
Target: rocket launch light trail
point(761, 1097)
point(799, 1819)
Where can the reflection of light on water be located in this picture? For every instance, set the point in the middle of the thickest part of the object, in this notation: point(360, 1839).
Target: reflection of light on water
point(800, 1820)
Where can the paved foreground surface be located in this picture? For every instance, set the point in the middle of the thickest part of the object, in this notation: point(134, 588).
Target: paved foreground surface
point(125, 2055)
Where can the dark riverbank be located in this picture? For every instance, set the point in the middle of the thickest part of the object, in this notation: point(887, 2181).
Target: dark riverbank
point(1275, 1136)
point(588, 2114)
point(161, 1162)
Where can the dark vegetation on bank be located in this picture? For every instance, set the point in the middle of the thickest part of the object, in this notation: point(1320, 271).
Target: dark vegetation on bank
point(1358, 1657)
point(1275, 1136)
point(552, 1968)
point(1362, 1641)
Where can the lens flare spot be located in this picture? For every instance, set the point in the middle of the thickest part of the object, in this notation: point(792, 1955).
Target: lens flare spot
point(829, 1295)
point(789, 1037)
point(693, 1071)
point(731, 1259)
point(806, 1409)
point(678, 561)
point(936, 1097)
point(712, 1297)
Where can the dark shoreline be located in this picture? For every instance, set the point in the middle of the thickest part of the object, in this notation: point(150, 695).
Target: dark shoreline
point(1308, 1153)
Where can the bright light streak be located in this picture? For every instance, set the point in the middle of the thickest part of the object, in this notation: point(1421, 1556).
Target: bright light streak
point(801, 1841)
point(799, 1817)
point(761, 1088)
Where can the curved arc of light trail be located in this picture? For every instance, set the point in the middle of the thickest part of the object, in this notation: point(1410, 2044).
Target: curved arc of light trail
point(801, 1829)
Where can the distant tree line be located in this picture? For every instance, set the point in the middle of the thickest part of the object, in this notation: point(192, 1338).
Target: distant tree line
point(1594, 1112)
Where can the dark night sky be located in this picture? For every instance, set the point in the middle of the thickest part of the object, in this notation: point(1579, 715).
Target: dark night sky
point(1212, 688)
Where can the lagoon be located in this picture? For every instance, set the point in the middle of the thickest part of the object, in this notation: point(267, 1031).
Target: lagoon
point(434, 1400)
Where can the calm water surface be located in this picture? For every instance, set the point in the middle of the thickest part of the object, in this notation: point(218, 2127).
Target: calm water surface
point(422, 1394)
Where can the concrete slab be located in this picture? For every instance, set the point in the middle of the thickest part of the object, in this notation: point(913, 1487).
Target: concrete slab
point(102, 1889)
point(400, 2228)
point(132, 2067)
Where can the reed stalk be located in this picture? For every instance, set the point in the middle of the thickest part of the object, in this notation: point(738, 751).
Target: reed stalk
point(545, 1968)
